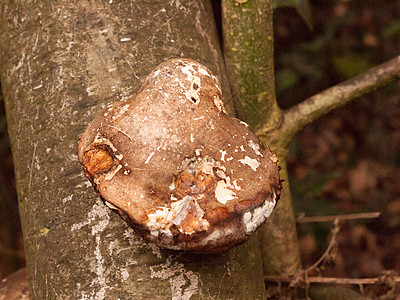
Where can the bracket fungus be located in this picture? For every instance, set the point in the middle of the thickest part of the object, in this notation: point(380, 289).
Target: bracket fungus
point(176, 167)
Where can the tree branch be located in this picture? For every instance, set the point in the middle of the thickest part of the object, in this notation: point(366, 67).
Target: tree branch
point(355, 216)
point(333, 280)
point(309, 110)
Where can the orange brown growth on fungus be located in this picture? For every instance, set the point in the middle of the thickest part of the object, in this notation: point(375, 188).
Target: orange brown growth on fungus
point(98, 160)
point(176, 167)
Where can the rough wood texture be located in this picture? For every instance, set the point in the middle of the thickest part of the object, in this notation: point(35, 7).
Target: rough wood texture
point(59, 64)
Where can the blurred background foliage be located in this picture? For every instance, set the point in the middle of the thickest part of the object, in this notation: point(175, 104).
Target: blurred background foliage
point(348, 161)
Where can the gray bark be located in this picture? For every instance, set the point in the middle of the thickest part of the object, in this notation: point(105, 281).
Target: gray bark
point(59, 64)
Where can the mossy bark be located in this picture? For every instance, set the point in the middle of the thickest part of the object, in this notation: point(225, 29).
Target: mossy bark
point(248, 45)
point(248, 51)
point(61, 62)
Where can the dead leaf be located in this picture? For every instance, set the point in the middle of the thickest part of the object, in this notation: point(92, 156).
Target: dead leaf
point(362, 178)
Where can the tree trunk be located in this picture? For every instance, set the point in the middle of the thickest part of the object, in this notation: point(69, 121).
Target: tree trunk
point(248, 42)
point(59, 64)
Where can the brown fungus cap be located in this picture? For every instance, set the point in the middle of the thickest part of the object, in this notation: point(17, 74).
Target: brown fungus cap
point(176, 167)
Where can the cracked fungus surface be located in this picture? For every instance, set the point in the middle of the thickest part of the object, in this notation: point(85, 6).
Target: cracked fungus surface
point(176, 167)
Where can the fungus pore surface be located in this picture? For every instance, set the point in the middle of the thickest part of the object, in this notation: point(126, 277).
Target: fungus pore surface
point(176, 167)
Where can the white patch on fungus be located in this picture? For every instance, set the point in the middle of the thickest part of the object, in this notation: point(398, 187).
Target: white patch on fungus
point(191, 205)
point(172, 186)
point(204, 71)
point(158, 220)
point(251, 162)
point(274, 158)
point(181, 209)
point(187, 69)
point(224, 192)
point(192, 93)
point(253, 219)
point(110, 205)
point(163, 218)
point(220, 173)
point(255, 147)
point(110, 175)
point(237, 187)
point(155, 74)
point(193, 96)
point(219, 104)
point(149, 157)
point(103, 141)
point(121, 111)
point(89, 91)
point(223, 153)
point(216, 235)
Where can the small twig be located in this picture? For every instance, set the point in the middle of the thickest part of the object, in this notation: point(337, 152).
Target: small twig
point(332, 243)
point(355, 216)
point(335, 280)
point(302, 275)
point(295, 118)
